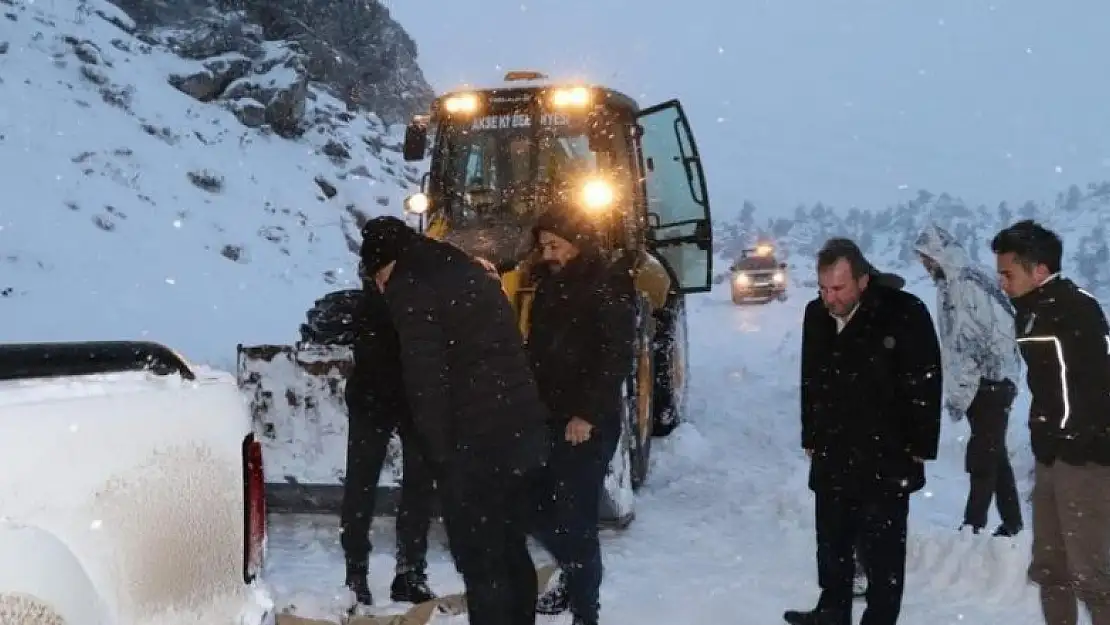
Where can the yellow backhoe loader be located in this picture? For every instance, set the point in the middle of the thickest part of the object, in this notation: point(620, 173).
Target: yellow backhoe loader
point(497, 157)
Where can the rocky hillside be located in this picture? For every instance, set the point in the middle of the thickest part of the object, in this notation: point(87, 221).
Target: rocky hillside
point(1081, 216)
point(353, 50)
point(192, 176)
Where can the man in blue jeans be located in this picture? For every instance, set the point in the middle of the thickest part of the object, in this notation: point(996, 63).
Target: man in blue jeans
point(581, 349)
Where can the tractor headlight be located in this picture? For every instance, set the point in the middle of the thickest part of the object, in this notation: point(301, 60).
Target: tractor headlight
point(778, 278)
point(462, 103)
point(597, 194)
point(417, 204)
point(742, 279)
point(574, 96)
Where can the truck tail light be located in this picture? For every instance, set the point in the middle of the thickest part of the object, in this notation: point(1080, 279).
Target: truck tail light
point(254, 509)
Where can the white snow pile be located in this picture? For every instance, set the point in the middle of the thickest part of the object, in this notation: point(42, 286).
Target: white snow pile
point(133, 210)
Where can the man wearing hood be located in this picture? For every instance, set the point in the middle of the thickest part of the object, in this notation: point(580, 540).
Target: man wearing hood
point(475, 407)
point(871, 404)
point(981, 364)
point(580, 345)
point(1065, 342)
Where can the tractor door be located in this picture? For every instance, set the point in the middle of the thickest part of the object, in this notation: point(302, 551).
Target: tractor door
point(678, 218)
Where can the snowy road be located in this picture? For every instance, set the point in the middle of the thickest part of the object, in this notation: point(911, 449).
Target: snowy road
point(724, 525)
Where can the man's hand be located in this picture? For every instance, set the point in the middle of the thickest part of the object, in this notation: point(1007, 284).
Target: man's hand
point(919, 460)
point(809, 453)
point(578, 431)
point(490, 268)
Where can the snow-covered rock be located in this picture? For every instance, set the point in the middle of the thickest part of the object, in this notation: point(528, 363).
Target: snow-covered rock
point(150, 195)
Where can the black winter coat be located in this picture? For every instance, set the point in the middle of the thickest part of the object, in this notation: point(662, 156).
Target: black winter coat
point(375, 389)
point(1065, 342)
point(581, 343)
point(466, 375)
point(871, 395)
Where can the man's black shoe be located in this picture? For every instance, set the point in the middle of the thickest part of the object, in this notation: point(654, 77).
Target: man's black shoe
point(815, 617)
point(553, 601)
point(411, 587)
point(361, 589)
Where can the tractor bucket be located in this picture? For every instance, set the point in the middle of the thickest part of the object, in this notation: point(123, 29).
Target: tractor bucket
point(296, 398)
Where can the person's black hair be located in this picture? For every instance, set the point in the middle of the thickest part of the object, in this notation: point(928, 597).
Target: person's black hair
point(1031, 244)
point(839, 248)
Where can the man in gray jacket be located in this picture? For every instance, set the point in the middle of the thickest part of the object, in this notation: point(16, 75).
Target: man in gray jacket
point(981, 364)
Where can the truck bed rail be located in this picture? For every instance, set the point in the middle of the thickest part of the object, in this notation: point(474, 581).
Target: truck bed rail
point(23, 361)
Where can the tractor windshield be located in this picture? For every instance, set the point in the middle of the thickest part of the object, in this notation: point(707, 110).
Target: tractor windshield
point(507, 167)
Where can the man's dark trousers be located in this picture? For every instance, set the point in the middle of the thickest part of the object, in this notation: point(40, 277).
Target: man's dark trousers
point(877, 525)
point(486, 510)
point(569, 493)
point(367, 445)
point(987, 461)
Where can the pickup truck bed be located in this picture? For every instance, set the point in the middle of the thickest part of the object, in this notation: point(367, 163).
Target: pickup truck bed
point(130, 488)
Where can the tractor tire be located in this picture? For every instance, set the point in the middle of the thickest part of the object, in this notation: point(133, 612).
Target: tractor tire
point(618, 499)
point(331, 320)
point(672, 367)
point(640, 398)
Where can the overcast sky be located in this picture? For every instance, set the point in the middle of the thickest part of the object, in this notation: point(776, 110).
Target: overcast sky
point(848, 102)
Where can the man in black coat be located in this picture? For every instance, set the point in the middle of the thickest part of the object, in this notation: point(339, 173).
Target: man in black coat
point(871, 406)
point(1065, 342)
point(583, 329)
point(475, 405)
point(376, 407)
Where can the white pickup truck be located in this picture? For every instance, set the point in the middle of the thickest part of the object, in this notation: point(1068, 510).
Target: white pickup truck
point(131, 490)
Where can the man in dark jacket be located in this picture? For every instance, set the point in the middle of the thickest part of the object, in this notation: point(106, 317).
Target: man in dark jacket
point(581, 346)
point(376, 407)
point(475, 405)
point(871, 405)
point(1065, 343)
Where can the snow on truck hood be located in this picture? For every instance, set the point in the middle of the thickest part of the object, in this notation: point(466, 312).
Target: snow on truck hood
point(15, 392)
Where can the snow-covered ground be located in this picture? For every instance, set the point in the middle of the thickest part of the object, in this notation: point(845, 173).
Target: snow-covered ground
point(724, 530)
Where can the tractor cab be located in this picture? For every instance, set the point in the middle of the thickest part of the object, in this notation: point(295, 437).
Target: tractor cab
point(501, 156)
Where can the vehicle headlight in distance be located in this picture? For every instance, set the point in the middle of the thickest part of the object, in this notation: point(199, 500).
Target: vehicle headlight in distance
point(779, 277)
point(597, 194)
point(462, 103)
point(742, 279)
point(417, 204)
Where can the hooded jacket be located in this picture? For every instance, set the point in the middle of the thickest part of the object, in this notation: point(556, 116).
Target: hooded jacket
point(975, 321)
